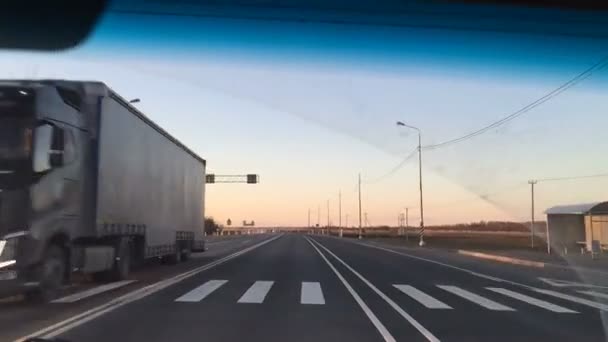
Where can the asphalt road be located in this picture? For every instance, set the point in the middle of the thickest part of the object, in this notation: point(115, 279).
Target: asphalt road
point(315, 288)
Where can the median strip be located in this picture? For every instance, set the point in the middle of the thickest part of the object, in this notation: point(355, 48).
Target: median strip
point(502, 258)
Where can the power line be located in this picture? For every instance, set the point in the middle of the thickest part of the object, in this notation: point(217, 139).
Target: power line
point(572, 177)
point(572, 82)
point(394, 169)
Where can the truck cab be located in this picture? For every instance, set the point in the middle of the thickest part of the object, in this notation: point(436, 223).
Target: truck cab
point(41, 161)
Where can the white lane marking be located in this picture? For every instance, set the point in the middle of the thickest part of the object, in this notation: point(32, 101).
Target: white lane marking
point(425, 332)
point(311, 293)
point(386, 335)
point(595, 294)
point(257, 292)
point(202, 291)
point(531, 300)
point(479, 300)
point(92, 292)
point(477, 274)
point(567, 283)
point(422, 297)
point(89, 315)
point(574, 299)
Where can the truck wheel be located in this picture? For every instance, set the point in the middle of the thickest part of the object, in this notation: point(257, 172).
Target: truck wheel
point(122, 264)
point(186, 255)
point(176, 257)
point(51, 275)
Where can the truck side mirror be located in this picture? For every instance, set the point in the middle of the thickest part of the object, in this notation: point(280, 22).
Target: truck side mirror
point(42, 148)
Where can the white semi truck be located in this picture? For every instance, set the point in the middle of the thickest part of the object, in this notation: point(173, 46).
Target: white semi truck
point(89, 184)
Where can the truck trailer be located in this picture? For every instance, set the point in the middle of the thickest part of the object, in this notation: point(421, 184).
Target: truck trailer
point(89, 184)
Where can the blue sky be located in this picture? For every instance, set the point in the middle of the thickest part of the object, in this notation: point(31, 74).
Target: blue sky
point(309, 126)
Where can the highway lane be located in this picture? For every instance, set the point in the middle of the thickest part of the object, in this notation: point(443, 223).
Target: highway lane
point(19, 318)
point(517, 273)
point(282, 291)
point(300, 288)
point(450, 285)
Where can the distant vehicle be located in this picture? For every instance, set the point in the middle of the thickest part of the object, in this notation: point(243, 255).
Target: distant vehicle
point(89, 184)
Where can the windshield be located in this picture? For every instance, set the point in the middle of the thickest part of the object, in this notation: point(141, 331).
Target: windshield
point(319, 170)
point(15, 139)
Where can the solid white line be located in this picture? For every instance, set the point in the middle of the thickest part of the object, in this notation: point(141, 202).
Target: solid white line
point(394, 305)
point(574, 299)
point(595, 294)
point(482, 301)
point(476, 274)
point(422, 297)
point(89, 315)
point(531, 300)
point(202, 291)
point(311, 293)
point(93, 291)
point(257, 292)
point(386, 335)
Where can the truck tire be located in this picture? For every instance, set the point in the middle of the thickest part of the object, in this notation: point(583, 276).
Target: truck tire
point(176, 257)
point(186, 253)
point(51, 275)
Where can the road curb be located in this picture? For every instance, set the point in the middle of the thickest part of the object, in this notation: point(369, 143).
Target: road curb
point(502, 258)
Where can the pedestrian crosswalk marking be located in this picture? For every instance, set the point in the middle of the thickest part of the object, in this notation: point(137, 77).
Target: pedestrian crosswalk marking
point(311, 293)
point(531, 300)
point(595, 294)
point(574, 299)
point(93, 291)
point(202, 291)
point(422, 297)
point(482, 301)
point(257, 292)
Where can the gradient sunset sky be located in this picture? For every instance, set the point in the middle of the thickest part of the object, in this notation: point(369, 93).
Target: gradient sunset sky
point(309, 127)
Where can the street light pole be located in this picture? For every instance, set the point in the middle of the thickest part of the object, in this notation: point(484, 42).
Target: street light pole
point(532, 183)
point(360, 225)
point(399, 123)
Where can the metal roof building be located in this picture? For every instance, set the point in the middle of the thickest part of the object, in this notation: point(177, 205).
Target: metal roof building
point(572, 226)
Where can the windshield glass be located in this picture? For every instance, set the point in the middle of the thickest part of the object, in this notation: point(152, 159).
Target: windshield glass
point(15, 139)
point(432, 171)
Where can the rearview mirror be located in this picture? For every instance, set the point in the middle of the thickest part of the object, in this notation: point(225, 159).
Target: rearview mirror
point(42, 148)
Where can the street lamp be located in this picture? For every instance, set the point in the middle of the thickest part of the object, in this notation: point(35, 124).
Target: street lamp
point(399, 123)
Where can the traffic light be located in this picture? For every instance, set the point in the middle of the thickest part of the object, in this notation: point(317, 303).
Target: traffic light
point(252, 179)
point(210, 178)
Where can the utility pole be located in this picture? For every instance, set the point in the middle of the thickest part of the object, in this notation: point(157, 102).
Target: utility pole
point(340, 212)
point(407, 225)
point(327, 214)
point(340, 208)
point(308, 217)
point(360, 225)
point(532, 183)
point(318, 216)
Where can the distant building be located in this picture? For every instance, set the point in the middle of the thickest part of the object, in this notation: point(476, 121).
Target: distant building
point(577, 225)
